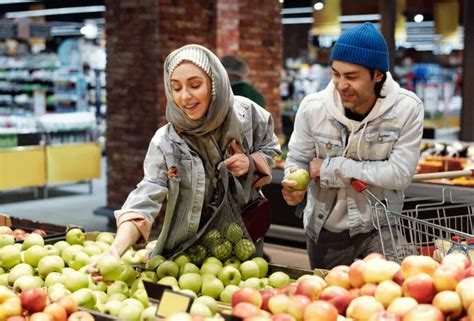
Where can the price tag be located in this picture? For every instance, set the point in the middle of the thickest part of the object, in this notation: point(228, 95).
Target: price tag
point(173, 302)
point(155, 291)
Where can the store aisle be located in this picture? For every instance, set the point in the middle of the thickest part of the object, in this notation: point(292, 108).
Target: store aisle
point(72, 204)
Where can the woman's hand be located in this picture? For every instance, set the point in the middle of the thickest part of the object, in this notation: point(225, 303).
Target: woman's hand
point(291, 196)
point(239, 163)
point(92, 267)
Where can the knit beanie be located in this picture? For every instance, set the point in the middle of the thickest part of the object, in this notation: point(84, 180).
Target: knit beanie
point(194, 55)
point(364, 46)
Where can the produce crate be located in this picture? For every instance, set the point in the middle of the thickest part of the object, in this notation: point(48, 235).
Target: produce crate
point(293, 272)
point(53, 231)
point(99, 316)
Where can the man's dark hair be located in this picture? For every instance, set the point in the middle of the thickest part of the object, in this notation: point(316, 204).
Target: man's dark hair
point(378, 85)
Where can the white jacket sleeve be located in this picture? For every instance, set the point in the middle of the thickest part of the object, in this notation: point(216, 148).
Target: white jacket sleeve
point(394, 173)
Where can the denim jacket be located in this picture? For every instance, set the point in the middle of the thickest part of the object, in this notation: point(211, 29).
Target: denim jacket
point(182, 191)
point(381, 151)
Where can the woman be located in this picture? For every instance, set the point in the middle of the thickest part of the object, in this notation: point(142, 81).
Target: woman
point(207, 125)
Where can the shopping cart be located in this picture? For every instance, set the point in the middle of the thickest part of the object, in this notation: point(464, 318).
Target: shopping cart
point(427, 227)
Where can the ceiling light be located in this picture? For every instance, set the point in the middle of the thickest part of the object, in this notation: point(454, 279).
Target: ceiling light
point(16, 1)
point(318, 6)
point(54, 12)
point(419, 18)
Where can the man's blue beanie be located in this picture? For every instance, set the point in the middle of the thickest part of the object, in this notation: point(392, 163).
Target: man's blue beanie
point(364, 46)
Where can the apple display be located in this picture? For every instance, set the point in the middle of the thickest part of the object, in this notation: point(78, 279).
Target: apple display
point(210, 268)
point(249, 269)
point(6, 239)
point(150, 276)
point(384, 316)
point(210, 302)
point(11, 307)
point(200, 309)
point(75, 280)
point(34, 254)
point(109, 267)
point(75, 236)
point(153, 262)
point(5, 230)
point(168, 280)
point(363, 307)
point(320, 310)
point(426, 312)
point(92, 249)
point(40, 316)
point(368, 289)
point(266, 295)
point(189, 268)
point(128, 274)
point(235, 262)
point(61, 245)
point(458, 259)
point(339, 275)
point(420, 287)
point(118, 287)
point(68, 252)
point(337, 296)
point(182, 259)
point(379, 270)
point(78, 260)
point(149, 314)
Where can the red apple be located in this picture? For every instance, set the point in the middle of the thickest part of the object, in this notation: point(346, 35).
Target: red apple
point(400, 306)
point(368, 289)
point(283, 317)
point(398, 278)
point(469, 271)
point(363, 307)
point(387, 291)
point(356, 277)
point(249, 295)
point(385, 316)
point(57, 311)
point(278, 303)
point(446, 277)
point(339, 275)
point(448, 302)
point(320, 310)
point(244, 310)
point(337, 296)
point(355, 292)
point(81, 316)
point(420, 287)
point(425, 312)
point(309, 287)
point(266, 295)
point(68, 304)
point(34, 300)
point(457, 259)
point(289, 289)
point(415, 264)
point(297, 304)
point(40, 232)
point(40, 316)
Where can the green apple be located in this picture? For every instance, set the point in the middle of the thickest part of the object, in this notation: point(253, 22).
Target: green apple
point(109, 267)
point(210, 268)
point(52, 278)
point(75, 236)
point(128, 274)
point(100, 296)
point(212, 259)
point(131, 312)
point(151, 245)
point(117, 297)
point(10, 255)
point(168, 280)
point(4, 280)
point(208, 276)
point(249, 269)
point(190, 281)
point(78, 260)
point(278, 279)
point(61, 245)
point(149, 314)
point(210, 302)
point(112, 307)
point(32, 239)
point(226, 294)
point(167, 268)
point(200, 310)
point(137, 284)
point(255, 283)
point(50, 263)
point(58, 293)
point(92, 249)
point(51, 249)
point(6, 239)
point(84, 298)
point(149, 276)
point(153, 262)
point(229, 275)
point(262, 266)
point(75, 280)
point(142, 296)
point(188, 292)
point(87, 242)
point(235, 262)
point(212, 288)
point(130, 257)
point(102, 245)
point(54, 287)
point(19, 270)
point(105, 237)
point(26, 282)
point(118, 287)
point(182, 259)
point(188, 268)
point(301, 177)
point(96, 286)
point(68, 252)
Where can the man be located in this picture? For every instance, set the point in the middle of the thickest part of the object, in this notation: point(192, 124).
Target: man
point(362, 126)
point(238, 70)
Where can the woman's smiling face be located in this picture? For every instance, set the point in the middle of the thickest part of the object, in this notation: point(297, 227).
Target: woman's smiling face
point(191, 90)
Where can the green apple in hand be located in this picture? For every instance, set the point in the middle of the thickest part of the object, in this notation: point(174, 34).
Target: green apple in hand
point(109, 267)
point(301, 177)
point(229, 275)
point(75, 236)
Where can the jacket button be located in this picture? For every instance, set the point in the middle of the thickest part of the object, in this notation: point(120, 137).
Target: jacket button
point(321, 216)
point(328, 145)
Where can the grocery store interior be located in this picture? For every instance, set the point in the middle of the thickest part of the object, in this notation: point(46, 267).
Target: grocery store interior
point(81, 95)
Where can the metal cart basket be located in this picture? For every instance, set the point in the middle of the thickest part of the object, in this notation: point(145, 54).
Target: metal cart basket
point(425, 226)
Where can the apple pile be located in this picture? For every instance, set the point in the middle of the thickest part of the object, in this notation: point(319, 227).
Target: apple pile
point(18, 233)
point(35, 305)
point(372, 289)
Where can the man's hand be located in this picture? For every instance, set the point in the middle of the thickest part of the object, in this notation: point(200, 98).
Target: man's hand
point(291, 196)
point(314, 168)
point(238, 164)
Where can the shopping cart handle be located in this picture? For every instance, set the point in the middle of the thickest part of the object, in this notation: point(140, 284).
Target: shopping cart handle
point(359, 186)
point(441, 175)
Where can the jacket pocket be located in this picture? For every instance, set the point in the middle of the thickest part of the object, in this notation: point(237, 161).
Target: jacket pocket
point(327, 145)
point(380, 142)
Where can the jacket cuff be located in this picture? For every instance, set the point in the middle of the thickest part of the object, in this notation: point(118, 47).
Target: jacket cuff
point(140, 222)
point(263, 174)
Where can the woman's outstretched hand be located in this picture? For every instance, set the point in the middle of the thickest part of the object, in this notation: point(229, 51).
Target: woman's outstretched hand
point(92, 268)
point(239, 163)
